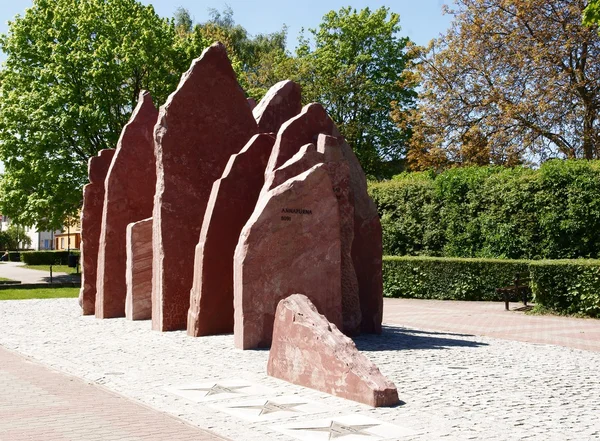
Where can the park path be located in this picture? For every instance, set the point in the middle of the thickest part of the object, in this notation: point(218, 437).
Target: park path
point(41, 404)
point(17, 271)
point(491, 320)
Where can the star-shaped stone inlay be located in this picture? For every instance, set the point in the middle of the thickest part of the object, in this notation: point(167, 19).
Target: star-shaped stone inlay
point(272, 407)
point(217, 389)
point(338, 430)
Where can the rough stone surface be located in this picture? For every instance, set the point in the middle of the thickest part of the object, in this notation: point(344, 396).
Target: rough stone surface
point(366, 248)
point(281, 103)
point(231, 203)
point(128, 198)
point(138, 276)
point(204, 122)
point(309, 351)
point(339, 172)
point(91, 223)
point(306, 158)
point(290, 244)
point(300, 130)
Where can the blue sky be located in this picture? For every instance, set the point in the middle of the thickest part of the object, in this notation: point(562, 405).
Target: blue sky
point(420, 20)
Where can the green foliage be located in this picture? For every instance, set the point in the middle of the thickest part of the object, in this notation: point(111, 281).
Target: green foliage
point(72, 76)
point(352, 65)
point(14, 238)
point(591, 14)
point(14, 256)
point(567, 286)
point(447, 278)
point(409, 215)
point(47, 257)
point(560, 286)
point(494, 212)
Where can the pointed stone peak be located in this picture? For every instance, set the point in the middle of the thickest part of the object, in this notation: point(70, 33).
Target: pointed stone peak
point(281, 102)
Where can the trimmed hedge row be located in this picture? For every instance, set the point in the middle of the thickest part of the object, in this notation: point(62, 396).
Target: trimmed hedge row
point(47, 257)
point(567, 286)
point(562, 286)
point(493, 212)
point(447, 278)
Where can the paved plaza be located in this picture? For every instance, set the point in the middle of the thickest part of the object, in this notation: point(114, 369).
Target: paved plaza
point(17, 271)
point(66, 377)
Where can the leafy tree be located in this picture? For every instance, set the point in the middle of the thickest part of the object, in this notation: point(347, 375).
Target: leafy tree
point(510, 82)
point(352, 65)
point(72, 76)
point(591, 14)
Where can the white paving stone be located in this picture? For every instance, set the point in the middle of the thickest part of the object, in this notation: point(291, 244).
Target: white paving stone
point(454, 387)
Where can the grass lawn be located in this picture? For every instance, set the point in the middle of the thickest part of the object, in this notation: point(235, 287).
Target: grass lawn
point(38, 293)
point(55, 268)
point(4, 279)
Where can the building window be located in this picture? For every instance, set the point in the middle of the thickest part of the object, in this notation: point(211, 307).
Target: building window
point(62, 242)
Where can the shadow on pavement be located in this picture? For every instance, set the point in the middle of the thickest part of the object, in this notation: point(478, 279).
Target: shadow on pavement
point(395, 338)
point(64, 278)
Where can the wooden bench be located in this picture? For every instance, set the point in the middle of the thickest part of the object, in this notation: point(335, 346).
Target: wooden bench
point(520, 287)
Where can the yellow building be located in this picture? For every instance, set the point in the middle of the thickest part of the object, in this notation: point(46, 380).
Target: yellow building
point(70, 236)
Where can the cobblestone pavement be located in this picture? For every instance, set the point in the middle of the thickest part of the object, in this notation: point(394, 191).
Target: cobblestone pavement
point(38, 403)
point(490, 319)
point(453, 386)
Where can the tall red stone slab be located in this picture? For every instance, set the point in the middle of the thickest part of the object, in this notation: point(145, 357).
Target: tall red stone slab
point(204, 122)
point(231, 203)
point(306, 158)
point(367, 249)
point(138, 273)
point(282, 102)
point(128, 198)
point(300, 130)
point(309, 351)
point(290, 244)
point(339, 173)
point(91, 222)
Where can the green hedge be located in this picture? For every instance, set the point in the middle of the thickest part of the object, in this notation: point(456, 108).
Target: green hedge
point(47, 257)
point(447, 278)
point(567, 286)
point(562, 286)
point(14, 256)
point(493, 212)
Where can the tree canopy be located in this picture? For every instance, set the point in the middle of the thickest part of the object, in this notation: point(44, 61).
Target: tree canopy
point(510, 82)
point(71, 78)
point(352, 64)
point(74, 70)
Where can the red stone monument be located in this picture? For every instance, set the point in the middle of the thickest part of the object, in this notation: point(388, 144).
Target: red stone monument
point(302, 129)
point(367, 249)
point(339, 173)
point(306, 158)
point(128, 198)
point(290, 244)
point(138, 273)
point(204, 122)
point(91, 222)
point(281, 102)
point(231, 203)
point(309, 351)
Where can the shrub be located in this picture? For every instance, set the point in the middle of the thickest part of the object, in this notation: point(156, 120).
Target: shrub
point(561, 286)
point(47, 257)
point(495, 212)
point(14, 256)
point(448, 278)
point(409, 214)
point(567, 286)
